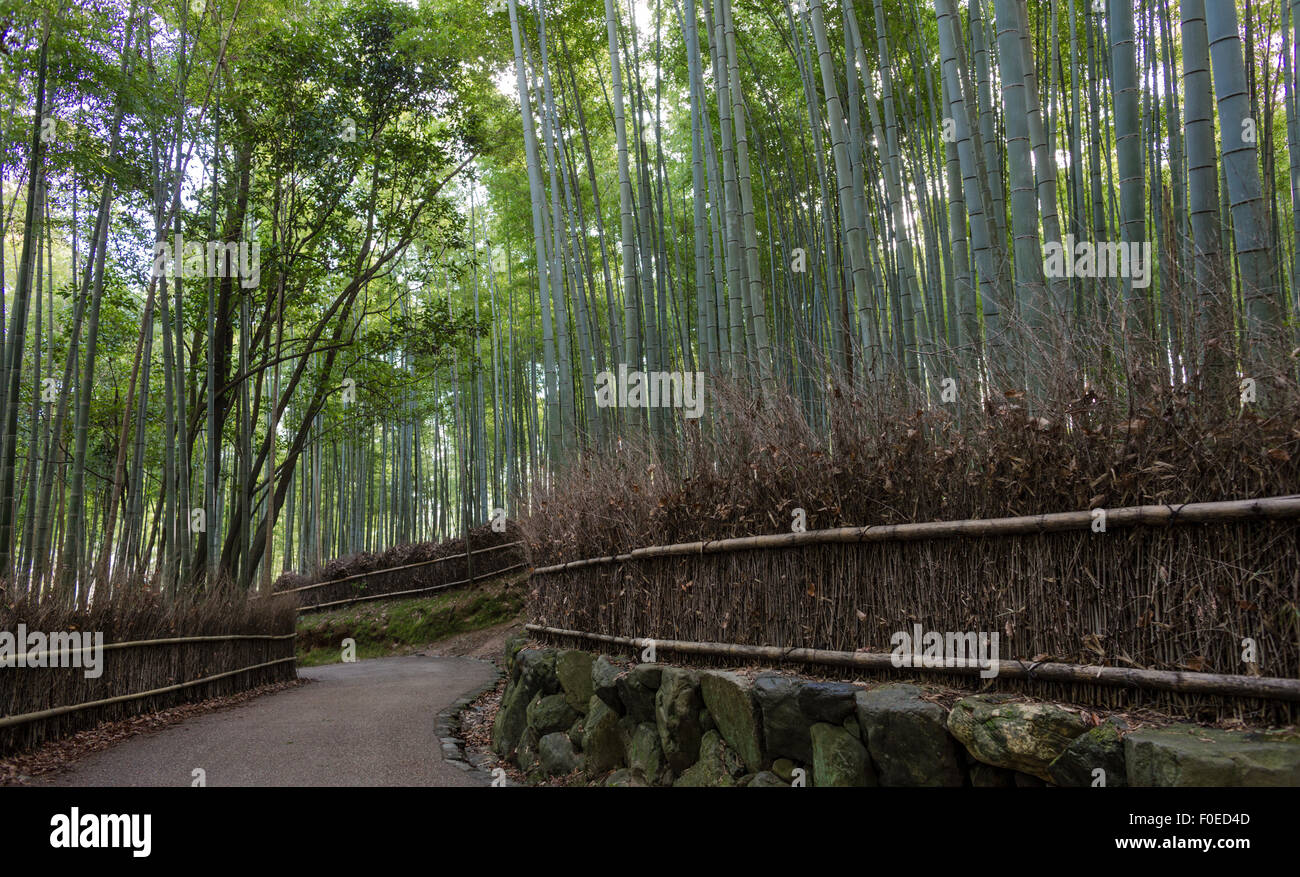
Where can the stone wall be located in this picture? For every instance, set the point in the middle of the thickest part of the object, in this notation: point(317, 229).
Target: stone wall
point(567, 711)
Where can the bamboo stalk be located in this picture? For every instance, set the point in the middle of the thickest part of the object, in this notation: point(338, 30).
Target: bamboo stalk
point(1147, 515)
point(151, 642)
point(9, 721)
point(1164, 680)
point(486, 575)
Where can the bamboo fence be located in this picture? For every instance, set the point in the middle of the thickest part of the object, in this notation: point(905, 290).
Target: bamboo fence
point(217, 646)
point(454, 566)
point(391, 569)
point(1164, 589)
point(391, 594)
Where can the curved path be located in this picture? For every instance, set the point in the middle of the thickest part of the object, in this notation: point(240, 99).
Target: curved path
point(370, 723)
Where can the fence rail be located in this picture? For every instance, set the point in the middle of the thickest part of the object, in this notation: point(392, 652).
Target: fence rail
point(174, 640)
point(1129, 516)
point(375, 572)
point(387, 594)
point(10, 721)
point(406, 579)
point(1047, 671)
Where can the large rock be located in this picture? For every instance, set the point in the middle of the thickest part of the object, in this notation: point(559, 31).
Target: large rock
point(602, 739)
point(1189, 755)
point(718, 764)
point(573, 669)
point(637, 697)
point(767, 779)
point(984, 776)
point(830, 702)
point(1098, 748)
point(736, 714)
point(647, 675)
point(512, 715)
point(576, 731)
point(556, 754)
point(551, 713)
point(908, 737)
point(526, 754)
point(513, 646)
point(604, 683)
point(1020, 736)
point(644, 753)
point(677, 716)
point(536, 674)
point(625, 778)
point(510, 721)
point(537, 670)
point(839, 759)
point(785, 727)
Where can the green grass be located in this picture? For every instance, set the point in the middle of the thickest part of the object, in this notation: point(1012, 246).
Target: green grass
point(383, 628)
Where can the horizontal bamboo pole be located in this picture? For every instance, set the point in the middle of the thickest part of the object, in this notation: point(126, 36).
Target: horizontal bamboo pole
point(1143, 515)
point(9, 721)
point(362, 575)
point(1271, 688)
point(486, 575)
point(176, 640)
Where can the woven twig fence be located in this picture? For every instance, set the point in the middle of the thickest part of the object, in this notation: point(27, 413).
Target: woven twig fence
point(1169, 588)
point(153, 658)
point(407, 570)
point(386, 595)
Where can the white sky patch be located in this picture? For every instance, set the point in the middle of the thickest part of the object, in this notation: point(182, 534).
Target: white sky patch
point(643, 13)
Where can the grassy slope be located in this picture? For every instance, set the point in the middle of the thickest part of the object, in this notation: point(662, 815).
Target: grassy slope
point(383, 628)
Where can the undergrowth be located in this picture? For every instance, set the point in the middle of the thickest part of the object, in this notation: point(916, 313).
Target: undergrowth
point(391, 627)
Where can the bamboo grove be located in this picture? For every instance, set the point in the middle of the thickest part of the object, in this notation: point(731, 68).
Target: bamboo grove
point(902, 193)
point(423, 231)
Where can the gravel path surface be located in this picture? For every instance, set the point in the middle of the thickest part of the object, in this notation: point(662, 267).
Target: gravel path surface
point(370, 723)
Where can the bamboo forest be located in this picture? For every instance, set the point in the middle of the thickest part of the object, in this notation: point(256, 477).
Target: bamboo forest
point(289, 281)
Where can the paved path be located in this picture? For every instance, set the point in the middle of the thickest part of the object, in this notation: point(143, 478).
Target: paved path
point(363, 724)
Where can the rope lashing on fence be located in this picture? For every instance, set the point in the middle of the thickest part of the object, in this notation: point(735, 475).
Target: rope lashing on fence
point(376, 572)
point(1129, 516)
point(1165, 680)
point(388, 594)
point(176, 640)
point(9, 721)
